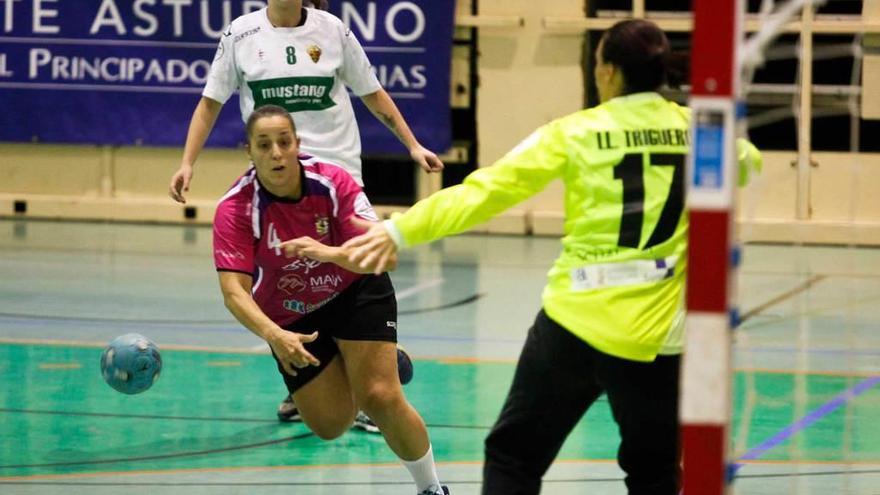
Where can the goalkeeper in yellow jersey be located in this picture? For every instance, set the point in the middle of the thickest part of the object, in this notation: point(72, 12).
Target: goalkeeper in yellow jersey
point(612, 319)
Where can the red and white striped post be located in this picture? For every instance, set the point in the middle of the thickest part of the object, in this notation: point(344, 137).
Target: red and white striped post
point(706, 373)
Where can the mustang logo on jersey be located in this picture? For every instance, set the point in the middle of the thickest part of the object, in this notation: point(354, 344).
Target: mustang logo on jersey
point(294, 94)
point(314, 52)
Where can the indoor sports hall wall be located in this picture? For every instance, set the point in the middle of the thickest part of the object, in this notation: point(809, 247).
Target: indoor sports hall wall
point(530, 70)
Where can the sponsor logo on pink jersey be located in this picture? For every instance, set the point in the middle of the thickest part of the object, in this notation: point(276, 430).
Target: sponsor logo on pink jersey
point(325, 283)
point(291, 283)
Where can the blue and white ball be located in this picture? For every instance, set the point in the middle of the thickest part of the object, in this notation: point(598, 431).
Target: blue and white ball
point(131, 363)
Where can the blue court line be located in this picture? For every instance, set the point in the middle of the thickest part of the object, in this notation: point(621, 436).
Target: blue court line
point(803, 423)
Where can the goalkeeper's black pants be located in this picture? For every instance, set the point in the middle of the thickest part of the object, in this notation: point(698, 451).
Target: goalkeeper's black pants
point(557, 379)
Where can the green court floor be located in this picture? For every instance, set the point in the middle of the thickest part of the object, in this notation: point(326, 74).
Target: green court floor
point(806, 403)
point(216, 410)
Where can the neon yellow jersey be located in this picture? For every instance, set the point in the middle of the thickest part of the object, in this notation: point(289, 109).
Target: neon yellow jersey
point(618, 283)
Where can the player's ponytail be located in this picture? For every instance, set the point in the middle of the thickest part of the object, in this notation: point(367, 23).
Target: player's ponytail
point(641, 50)
point(677, 68)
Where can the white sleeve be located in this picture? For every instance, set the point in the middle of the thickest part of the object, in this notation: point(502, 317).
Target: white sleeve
point(223, 77)
point(355, 71)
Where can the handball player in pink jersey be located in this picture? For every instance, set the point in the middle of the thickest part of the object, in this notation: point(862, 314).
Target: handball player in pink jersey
point(284, 275)
point(297, 44)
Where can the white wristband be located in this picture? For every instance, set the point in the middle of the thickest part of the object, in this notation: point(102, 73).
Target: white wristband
point(394, 233)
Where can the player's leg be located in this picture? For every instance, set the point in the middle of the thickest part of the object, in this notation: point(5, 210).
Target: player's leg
point(378, 289)
point(367, 340)
point(376, 302)
point(287, 411)
point(644, 401)
point(552, 388)
point(405, 373)
point(322, 393)
point(373, 376)
point(326, 403)
point(372, 371)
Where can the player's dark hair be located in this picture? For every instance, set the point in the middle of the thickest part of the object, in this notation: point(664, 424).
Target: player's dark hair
point(642, 52)
point(267, 111)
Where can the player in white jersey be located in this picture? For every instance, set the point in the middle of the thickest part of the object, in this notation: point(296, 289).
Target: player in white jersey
point(300, 59)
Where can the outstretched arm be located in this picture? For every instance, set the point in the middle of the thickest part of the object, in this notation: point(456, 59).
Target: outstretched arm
point(376, 249)
point(307, 247)
point(750, 161)
point(383, 107)
point(203, 119)
point(486, 192)
point(288, 346)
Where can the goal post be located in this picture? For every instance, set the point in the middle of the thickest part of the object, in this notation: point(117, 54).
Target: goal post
point(706, 368)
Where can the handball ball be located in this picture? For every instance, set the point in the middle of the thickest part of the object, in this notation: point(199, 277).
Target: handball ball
point(131, 363)
point(404, 366)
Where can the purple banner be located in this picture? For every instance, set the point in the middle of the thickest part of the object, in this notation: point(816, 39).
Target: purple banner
point(130, 72)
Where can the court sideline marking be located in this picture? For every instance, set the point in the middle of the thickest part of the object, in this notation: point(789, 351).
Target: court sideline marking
point(813, 416)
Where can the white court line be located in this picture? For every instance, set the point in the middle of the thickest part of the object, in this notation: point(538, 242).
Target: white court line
point(246, 469)
point(420, 287)
point(264, 347)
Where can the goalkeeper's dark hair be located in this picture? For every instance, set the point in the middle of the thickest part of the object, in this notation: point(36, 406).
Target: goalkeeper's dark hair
point(641, 50)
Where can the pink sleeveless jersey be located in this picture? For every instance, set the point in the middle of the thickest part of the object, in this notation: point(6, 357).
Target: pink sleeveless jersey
point(250, 222)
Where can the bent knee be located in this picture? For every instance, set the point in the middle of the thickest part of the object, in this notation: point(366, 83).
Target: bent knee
point(380, 396)
point(329, 428)
point(329, 424)
point(328, 432)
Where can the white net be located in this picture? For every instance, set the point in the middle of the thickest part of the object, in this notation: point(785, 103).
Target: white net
point(807, 349)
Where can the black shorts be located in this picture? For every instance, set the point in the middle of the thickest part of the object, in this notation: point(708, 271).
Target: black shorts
point(366, 310)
